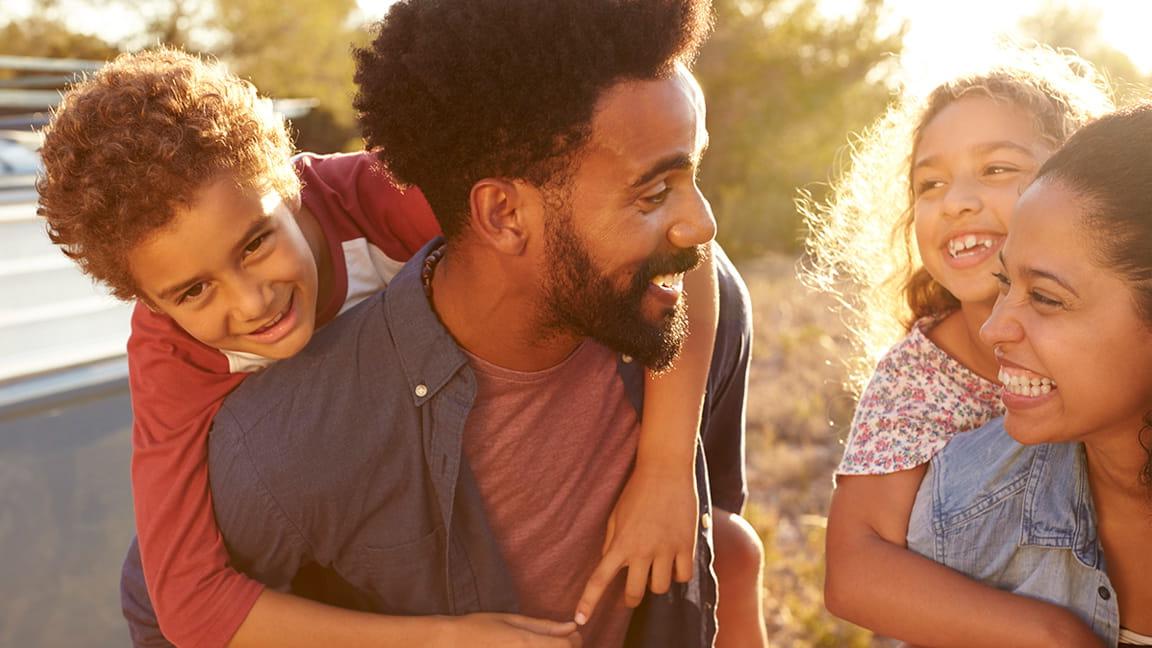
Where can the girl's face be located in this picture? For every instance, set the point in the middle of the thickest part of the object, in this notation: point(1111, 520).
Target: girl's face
point(969, 167)
point(1073, 351)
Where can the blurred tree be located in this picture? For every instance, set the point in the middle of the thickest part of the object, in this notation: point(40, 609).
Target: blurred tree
point(43, 34)
point(785, 85)
point(297, 48)
point(1078, 28)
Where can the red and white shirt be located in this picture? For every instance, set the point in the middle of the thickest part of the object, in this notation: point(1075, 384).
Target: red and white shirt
point(178, 383)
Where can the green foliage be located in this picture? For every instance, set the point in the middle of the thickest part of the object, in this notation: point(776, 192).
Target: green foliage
point(785, 85)
point(298, 48)
point(1078, 28)
point(43, 36)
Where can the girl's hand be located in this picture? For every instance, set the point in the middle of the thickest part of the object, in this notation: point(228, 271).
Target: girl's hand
point(652, 530)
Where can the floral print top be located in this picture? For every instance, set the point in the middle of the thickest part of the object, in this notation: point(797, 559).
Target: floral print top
point(917, 399)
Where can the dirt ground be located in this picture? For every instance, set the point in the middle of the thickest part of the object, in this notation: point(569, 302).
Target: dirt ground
point(798, 414)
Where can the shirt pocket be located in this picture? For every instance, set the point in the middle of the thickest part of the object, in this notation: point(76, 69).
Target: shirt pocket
point(407, 579)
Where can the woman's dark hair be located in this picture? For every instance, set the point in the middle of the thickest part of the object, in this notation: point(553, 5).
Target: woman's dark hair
point(453, 92)
point(1108, 166)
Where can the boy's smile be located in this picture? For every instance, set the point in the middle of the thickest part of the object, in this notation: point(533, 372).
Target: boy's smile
point(234, 270)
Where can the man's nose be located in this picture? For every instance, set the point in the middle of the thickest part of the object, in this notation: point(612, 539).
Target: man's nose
point(696, 226)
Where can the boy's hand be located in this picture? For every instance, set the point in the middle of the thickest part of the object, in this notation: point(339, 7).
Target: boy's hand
point(651, 529)
point(490, 630)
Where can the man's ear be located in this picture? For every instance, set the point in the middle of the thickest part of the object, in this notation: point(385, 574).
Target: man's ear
point(498, 214)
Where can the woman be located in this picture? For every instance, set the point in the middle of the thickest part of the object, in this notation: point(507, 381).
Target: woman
point(1055, 500)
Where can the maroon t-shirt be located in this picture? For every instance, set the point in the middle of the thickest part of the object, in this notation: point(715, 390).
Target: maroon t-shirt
point(551, 451)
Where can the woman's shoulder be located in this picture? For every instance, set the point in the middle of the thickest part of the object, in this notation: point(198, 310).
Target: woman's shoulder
point(985, 467)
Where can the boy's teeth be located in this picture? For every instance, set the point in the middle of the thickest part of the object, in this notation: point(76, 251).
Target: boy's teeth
point(1026, 385)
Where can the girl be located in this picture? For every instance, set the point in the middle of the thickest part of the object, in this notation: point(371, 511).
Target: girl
point(960, 157)
point(151, 135)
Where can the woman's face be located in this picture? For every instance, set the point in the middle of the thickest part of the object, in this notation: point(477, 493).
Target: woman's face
point(971, 163)
point(1075, 356)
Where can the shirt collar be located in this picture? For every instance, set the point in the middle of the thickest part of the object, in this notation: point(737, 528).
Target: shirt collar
point(429, 355)
point(1058, 509)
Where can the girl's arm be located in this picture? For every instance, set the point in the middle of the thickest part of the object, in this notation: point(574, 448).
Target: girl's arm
point(874, 581)
point(653, 526)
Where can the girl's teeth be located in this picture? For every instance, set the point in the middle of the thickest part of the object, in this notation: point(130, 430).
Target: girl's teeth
point(958, 245)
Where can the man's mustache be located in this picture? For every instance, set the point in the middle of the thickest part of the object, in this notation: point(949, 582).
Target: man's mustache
point(676, 262)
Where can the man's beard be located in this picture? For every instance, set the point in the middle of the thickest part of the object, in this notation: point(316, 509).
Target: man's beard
point(581, 300)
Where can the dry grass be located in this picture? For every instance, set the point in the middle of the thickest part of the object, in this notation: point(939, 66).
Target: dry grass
point(798, 413)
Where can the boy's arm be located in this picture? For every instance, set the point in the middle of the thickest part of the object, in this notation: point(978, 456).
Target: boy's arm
point(288, 621)
point(653, 525)
point(874, 581)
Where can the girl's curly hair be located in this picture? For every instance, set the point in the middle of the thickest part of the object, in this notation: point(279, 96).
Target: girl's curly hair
point(861, 246)
point(137, 140)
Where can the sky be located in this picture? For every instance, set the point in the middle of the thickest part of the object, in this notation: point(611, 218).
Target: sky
point(939, 33)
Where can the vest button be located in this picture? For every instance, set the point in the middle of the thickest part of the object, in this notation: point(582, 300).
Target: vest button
point(1104, 593)
point(421, 390)
point(626, 358)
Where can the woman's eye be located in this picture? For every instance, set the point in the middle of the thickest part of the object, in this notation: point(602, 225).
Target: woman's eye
point(1004, 281)
point(1044, 300)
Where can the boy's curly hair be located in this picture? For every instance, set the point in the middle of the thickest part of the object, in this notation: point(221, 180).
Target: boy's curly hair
point(861, 245)
point(452, 92)
point(137, 140)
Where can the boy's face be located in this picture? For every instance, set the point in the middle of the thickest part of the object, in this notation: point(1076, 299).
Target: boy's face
point(234, 270)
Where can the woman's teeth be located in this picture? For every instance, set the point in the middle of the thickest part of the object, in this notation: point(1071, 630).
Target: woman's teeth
point(669, 280)
point(1026, 385)
point(959, 245)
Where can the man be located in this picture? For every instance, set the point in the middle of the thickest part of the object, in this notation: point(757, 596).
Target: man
point(558, 144)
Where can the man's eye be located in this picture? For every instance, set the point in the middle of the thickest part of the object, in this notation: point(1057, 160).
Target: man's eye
point(658, 198)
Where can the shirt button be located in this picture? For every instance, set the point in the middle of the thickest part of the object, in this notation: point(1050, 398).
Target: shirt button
point(706, 520)
point(1104, 593)
point(626, 358)
point(421, 390)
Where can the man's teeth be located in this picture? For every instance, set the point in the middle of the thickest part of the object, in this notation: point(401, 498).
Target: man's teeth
point(1026, 385)
point(962, 243)
point(669, 280)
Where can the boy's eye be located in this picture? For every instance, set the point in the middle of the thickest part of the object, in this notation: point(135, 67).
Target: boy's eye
point(192, 293)
point(255, 244)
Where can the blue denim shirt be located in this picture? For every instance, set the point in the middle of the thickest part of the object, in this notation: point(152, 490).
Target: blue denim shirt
point(344, 464)
point(1019, 518)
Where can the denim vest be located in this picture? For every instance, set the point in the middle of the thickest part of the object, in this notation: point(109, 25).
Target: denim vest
point(1019, 518)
